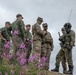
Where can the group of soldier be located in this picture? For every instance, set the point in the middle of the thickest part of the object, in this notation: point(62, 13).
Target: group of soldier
point(42, 41)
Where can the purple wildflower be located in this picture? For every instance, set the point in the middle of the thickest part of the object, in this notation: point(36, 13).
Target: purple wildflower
point(22, 46)
point(16, 32)
point(12, 72)
point(35, 56)
point(18, 54)
point(10, 56)
point(43, 60)
point(31, 59)
point(40, 66)
point(7, 45)
point(18, 59)
point(4, 55)
point(23, 55)
point(23, 61)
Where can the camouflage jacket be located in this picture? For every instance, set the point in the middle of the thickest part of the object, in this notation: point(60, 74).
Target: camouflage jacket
point(18, 25)
point(4, 33)
point(28, 35)
point(70, 38)
point(47, 41)
point(9, 32)
point(37, 32)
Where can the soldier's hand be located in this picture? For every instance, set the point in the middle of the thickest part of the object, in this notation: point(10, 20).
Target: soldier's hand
point(69, 48)
point(60, 38)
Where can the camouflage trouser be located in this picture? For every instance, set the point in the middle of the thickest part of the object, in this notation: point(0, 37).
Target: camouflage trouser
point(37, 48)
point(28, 50)
point(61, 58)
point(46, 52)
point(16, 40)
point(68, 55)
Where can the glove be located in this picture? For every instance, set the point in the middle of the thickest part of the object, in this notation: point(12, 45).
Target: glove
point(60, 38)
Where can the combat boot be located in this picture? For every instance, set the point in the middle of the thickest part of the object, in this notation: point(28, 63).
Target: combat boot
point(70, 71)
point(56, 69)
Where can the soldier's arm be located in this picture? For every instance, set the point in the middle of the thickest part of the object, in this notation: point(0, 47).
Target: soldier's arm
point(2, 36)
point(23, 28)
point(50, 40)
point(39, 31)
point(72, 39)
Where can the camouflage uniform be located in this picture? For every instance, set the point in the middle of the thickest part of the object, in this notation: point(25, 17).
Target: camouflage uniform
point(37, 36)
point(5, 35)
point(60, 57)
point(18, 39)
point(28, 44)
point(70, 41)
point(46, 47)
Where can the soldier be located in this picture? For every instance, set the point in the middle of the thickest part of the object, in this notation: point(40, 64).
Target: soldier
point(28, 42)
point(61, 54)
point(47, 46)
point(18, 32)
point(4, 38)
point(8, 24)
point(37, 36)
point(70, 43)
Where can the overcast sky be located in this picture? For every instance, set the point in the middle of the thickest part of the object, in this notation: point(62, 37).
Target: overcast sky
point(54, 12)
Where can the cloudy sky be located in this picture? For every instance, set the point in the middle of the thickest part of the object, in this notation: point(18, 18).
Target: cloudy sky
point(54, 12)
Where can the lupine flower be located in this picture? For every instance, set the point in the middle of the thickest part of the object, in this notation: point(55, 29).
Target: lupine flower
point(16, 32)
point(23, 61)
point(22, 46)
point(12, 72)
